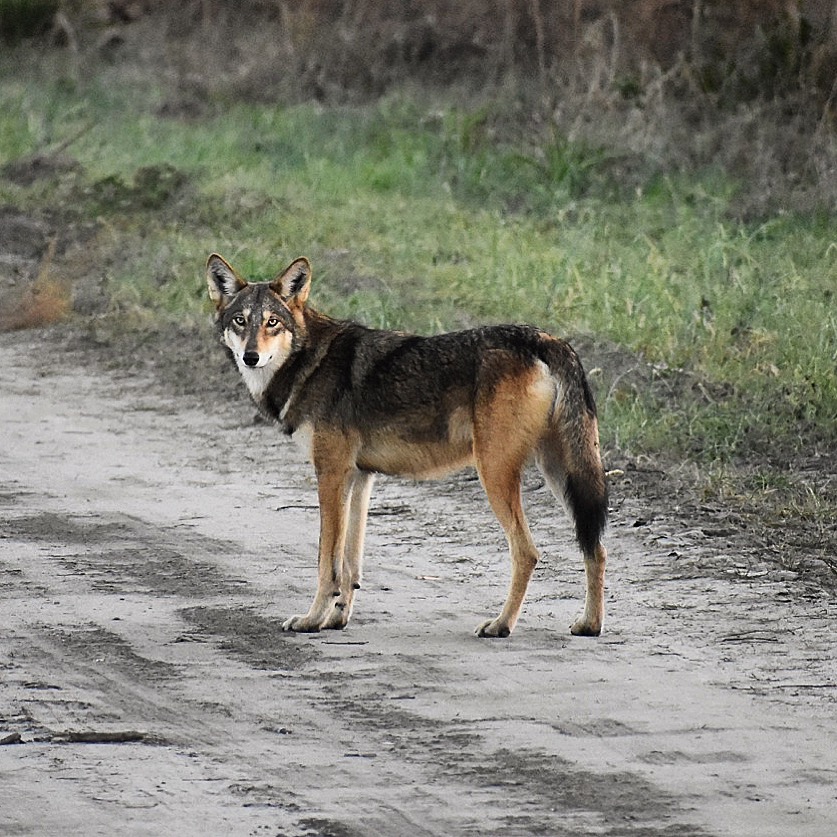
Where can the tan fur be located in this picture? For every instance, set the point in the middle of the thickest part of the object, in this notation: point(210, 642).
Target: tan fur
point(371, 402)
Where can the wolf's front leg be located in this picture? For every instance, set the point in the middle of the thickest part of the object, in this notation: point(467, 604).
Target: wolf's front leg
point(361, 489)
point(335, 476)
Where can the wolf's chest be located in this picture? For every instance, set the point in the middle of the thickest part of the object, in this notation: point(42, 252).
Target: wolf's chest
point(303, 436)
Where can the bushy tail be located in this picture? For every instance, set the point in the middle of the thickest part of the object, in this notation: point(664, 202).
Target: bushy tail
point(570, 456)
point(586, 495)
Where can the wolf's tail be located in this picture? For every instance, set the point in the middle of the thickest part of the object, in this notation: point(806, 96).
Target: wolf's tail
point(569, 455)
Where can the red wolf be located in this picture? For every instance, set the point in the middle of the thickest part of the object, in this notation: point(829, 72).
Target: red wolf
point(366, 402)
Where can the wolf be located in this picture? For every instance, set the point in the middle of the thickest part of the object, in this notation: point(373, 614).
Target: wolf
point(365, 401)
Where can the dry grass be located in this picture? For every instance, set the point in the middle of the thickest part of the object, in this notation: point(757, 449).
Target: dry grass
point(42, 302)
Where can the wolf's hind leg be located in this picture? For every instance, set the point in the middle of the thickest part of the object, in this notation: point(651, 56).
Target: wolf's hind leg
point(504, 496)
point(590, 621)
point(500, 466)
point(506, 429)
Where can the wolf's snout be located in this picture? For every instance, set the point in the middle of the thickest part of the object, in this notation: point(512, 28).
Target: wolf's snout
point(251, 358)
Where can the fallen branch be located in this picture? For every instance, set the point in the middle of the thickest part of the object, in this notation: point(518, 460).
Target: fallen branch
point(97, 737)
point(750, 636)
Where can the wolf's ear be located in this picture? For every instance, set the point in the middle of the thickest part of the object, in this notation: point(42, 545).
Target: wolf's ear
point(223, 282)
point(294, 283)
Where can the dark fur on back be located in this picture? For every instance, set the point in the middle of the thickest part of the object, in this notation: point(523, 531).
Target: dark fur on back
point(379, 374)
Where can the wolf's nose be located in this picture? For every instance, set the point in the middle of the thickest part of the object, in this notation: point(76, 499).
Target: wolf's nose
point(250, 358)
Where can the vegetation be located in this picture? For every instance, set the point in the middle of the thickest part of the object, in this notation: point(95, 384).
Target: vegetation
point(416, 217)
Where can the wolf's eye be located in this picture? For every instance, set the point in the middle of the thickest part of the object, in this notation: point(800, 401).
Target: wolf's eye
point(273, 322)
point(239, 321)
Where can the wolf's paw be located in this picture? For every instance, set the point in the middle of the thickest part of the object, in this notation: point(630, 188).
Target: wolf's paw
point(582, 627)
point(338, 620)
point(301, 624)
point(494, 629)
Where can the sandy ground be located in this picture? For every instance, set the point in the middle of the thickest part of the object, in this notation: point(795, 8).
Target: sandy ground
point(150, 548)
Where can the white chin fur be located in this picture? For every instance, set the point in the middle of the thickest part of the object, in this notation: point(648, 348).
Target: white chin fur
point(257, 377)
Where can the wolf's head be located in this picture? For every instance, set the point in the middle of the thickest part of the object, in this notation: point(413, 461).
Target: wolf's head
point(260, 322)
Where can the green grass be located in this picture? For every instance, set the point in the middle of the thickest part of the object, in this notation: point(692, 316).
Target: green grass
point(417, 217)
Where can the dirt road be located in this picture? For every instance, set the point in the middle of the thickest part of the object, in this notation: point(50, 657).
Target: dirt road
point(149, 551)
